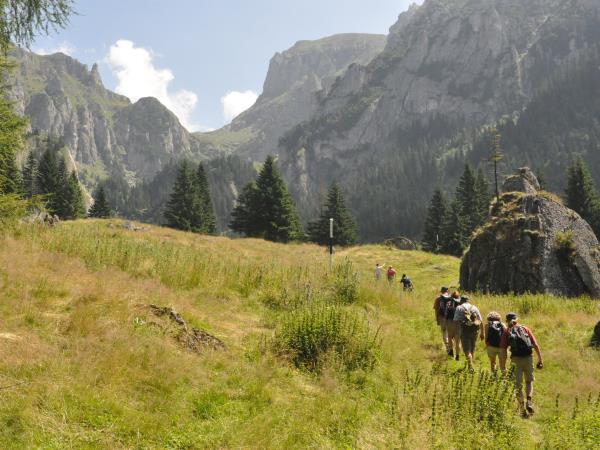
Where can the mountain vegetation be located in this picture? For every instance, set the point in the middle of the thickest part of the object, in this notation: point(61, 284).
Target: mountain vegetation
point(100, 209)
point(344, 226)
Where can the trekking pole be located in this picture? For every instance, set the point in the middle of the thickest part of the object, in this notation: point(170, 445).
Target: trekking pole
point(330, 245)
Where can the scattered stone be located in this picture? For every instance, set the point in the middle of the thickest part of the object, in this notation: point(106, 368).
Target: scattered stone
point(39, 217)
point(130, 226)
point(401, 243)
point(532, 243)
point(172, 322)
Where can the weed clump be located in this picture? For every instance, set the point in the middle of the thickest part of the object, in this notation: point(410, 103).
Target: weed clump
point(316, 333)
point(346, 283)
point(564, 246)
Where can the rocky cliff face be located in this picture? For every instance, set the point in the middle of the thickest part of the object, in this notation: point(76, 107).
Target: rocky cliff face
point(297, 80)
point(532, 243)
point(102, 130)
point(461, 62)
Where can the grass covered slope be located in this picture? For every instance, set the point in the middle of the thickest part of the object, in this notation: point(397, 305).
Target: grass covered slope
point(81, 366)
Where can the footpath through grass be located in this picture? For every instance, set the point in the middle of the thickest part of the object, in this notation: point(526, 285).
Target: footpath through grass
point(314, 359)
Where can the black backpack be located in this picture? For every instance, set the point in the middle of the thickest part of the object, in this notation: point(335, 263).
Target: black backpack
point(442, 305)
point(520, 342)
point(494, 333)
point(451, 305)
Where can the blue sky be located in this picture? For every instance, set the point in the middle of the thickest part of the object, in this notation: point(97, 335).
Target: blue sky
point(191, 54)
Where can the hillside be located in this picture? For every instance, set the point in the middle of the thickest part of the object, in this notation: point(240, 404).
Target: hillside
point(84, 363)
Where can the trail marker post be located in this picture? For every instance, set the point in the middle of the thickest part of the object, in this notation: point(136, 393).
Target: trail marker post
point(330, 245)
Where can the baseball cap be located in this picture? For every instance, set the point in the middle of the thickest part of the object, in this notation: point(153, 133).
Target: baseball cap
point(511, 316)
point(444, 289)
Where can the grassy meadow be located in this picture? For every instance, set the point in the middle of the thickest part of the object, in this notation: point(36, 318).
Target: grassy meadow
point(314, 359)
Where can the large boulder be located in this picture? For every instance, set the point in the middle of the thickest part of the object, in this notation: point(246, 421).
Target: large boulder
point(532, 243)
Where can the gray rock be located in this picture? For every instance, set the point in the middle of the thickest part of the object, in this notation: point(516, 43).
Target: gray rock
point(596, 335)
point(523, 181)
point(532, 243)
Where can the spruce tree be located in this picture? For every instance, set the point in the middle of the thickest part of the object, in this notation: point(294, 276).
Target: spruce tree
point(48, 178)
point(433, 224)
point(484, 197)
point(468, 201)
point(344, 226)
point(581, 194)
point(455, 236)
point(30, 176)
point(12, 129)
point(206, 221)
point(72, 198)
point(277, 216)
point(244, 217)
point(183, 208)
point(100, 209)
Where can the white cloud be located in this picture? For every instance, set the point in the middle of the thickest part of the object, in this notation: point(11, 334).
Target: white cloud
point(138, 77)
point(235, 103)
point(64, 47)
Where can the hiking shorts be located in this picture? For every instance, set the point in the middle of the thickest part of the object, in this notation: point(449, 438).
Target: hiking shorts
point(523, 367)
point(468, 338)
point(493, 352)
point(452, 328)
point(441, 321)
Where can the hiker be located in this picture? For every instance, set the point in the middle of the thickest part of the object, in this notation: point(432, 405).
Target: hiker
point(522, 343)
point(391, 274)
point(378, 271)
point(452, 327)
point(439, 307)
point(493, 334)
point(469, 321)
point(407, 283)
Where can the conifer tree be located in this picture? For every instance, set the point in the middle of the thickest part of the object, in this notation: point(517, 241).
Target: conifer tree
point(433, 224)
point(455, 235)
point(100, 209)
point(73, 204)
point(205, 220)
point(12, 129)
point(183, 208)
point(484, 197)
point(30, 176)
point(344, 226)
point(581, 193)
point(244, 217)
point(468, 201)
point(48, 178)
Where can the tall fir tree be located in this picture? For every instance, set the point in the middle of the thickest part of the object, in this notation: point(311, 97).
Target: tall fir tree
point(48, 178)
point(12, 130)
point(244, 217)
point(436, 213)
point(454, 230)
point(30, 176)
point(73, 204)
point(206, 221)
point(581, 194)
point(100, 209)
point(183, 208)
point(468, 201)
point(484, 197)
point(344, 225)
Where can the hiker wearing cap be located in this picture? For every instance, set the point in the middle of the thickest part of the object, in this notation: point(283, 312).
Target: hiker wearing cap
point(469, 321)
point(494, 330)
point(522, 343)
point(391, 275)
point(439, 307)
point(451, 326)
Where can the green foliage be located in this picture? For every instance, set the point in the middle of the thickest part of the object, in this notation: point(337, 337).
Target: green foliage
point(12, 129)
point(100, 209)
point(346, 282)
point(207, 222)
point(454, 237)
point(317, 333)
point(344, 226)
point(266, 209)
point(582, 195)
point(30, 176)
point(564, 246)
point(435, 219)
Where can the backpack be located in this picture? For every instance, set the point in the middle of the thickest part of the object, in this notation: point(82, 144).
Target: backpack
point(494, 333)
point(520, 342)
point(450, 306)
point(442, 305)
point(471, 318)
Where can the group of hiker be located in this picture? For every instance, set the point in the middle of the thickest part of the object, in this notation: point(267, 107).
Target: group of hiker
point(407, 283)
point(461, 323)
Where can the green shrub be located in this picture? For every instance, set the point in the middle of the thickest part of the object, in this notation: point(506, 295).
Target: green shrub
point(564, 246)
point(345, 282)
point(314, 333)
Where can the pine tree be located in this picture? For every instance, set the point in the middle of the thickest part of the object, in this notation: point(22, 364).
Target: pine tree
point(205, 221)
point(484, 197)
point(466, 195)
point(433, 224)
point(344, 226)
point(73, 202)
point(30, 176)
point(183, 208)
point(100, 209)
point(455, 236)
point(581, 193)
point(48, 178)
point(244, 217)
point(12, 129)
point(277, 216)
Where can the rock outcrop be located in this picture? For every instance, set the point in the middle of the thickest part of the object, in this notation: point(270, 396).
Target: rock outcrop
point(532, 243)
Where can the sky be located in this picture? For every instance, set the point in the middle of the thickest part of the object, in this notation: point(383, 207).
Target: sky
point(206, 60)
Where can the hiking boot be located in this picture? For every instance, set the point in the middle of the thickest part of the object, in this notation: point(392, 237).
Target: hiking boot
point(529, 406)
point(451, 353)
point(524, 414)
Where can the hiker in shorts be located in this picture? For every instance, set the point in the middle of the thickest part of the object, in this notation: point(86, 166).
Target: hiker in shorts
point(452, 327)
point(522, 344)
point(439, 308)
point(391, 275)
point(406, 283)
point(469, 321)
point(494, 329)
point(378, 271)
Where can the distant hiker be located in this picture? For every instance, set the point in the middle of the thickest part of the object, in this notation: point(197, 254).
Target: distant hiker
point(522, 343)
point(469, 320)
point(391, 274)
point(494, 330)
point(439, 308)
point(406, 283)
point(452, 327)
point(378, 271)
